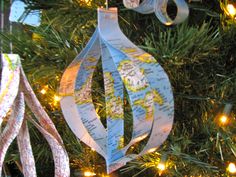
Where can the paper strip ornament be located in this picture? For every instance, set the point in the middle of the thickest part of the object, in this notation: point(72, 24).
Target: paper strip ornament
point(19, 13)
point(26, 153)
point(12, 128)
point(159, 7)
point(124, 64)
point(12, 78)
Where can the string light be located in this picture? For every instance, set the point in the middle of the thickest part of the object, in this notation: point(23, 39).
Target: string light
point(57, 78)
point(161, 166)
point(43, 91)
point(86, 2)
point(231, 10)
point(89, 173)
point(223, 119)
point(56, 98)
point(231, 168)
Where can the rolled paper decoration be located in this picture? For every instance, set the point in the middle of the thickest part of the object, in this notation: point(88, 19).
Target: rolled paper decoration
point(162, 15)
point(12, 78)
point(159, 7)
point(124, 64)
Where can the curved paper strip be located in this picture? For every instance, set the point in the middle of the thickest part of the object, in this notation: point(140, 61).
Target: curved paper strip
point(162, 92)
point(59, 154)
point(9, 82)
point(12, 128)
point(48, 129)
point(83, 97)
point(155, 74)
point(37, 108)
point(26, 153)
point(160, 9)
point(137, 88)
point(77, 99)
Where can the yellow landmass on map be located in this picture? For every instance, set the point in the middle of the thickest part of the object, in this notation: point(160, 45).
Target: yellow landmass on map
point(133, 80)
point(11, 63)
point(83, 95)
point(129, 50)
point(158, 98)
point(145, 104)
point(146, 58)
point(90, 67)
point(92, 59)
point(114, 105)
point(121, 143)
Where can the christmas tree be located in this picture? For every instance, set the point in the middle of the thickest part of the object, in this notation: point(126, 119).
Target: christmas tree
point(198, 56)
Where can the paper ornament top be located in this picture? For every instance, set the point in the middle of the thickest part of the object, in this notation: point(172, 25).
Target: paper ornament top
point(124, 64)
point(159, 7)
point(19, 13)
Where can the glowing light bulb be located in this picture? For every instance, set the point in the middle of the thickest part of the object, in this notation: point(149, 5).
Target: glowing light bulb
point(92, 149)
point(87, 2)
point(56, 98)
point(168, 23)
point(231, 168)
point(43, 91)
point(231, 10)
point(89, 173)
point(223, 119)
point(161, 166)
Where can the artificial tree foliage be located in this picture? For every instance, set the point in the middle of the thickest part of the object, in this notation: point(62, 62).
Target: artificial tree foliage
point(198, 55)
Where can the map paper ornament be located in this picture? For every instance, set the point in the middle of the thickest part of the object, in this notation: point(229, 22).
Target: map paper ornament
point(159, 7)
point(20, 14)
point(124, 65)
point(14, 92)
